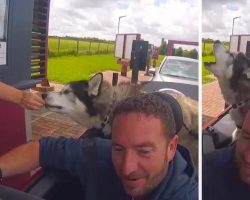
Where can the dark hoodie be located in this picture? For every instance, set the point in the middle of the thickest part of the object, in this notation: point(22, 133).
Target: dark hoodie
point(90, 160)
point(220, 176)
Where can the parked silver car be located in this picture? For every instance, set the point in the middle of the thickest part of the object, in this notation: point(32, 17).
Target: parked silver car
point(178, 70)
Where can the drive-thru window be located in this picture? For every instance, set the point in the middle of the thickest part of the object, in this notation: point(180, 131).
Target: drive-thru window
point(23, 60)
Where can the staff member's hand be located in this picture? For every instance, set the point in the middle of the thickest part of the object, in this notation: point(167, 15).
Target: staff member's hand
point(31, 101)
point(28, 100)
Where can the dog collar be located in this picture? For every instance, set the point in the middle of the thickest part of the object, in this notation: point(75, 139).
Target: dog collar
point(106, 118)
point(240, 104)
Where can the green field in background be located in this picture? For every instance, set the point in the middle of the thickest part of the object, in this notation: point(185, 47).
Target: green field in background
point(71, 68)
point(84, 47)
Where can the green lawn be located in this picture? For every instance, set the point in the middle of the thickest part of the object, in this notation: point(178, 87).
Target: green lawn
point(70, 68)
point(206, 75)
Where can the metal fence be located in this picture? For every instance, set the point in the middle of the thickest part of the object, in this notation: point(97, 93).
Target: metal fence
point(61, 46)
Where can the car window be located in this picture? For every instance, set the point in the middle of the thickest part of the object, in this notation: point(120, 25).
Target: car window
point(181, 68)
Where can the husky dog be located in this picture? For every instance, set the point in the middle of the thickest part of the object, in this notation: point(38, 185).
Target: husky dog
point(233, 74)
point(90, 103)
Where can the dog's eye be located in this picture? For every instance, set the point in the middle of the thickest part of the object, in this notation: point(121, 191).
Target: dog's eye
point(66, 92)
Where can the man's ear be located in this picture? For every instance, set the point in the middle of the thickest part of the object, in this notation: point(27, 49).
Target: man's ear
point(95, 84)
point(172, 146)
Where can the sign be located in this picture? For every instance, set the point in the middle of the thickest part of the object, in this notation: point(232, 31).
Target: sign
point(3, 53)
point(123, 45)
point(3, 30)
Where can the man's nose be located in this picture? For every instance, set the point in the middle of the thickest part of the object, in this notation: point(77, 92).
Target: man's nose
point(129, 163)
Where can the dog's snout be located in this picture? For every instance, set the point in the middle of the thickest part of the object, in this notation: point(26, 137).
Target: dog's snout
point(44, 95)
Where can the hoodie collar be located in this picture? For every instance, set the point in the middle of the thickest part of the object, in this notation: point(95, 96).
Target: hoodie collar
point(181, 172)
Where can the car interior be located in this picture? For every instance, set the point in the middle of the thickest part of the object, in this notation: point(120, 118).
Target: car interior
point(218, 133)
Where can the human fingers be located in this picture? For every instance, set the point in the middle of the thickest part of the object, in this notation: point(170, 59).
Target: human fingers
point(38, 98)
point(32, 101)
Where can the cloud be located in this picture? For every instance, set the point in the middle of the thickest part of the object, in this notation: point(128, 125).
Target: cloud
point(153, 19)
point(217, 18)
point(211, 4)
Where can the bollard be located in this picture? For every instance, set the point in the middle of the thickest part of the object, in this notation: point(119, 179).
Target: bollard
point(115, 79)
point(124, 66)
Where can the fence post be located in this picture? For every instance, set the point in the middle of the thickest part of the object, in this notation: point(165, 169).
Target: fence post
point(89, 46)
point(108, 48)
point(58, 44)
point(204, 46)
point(98, 47)
point(77, 47)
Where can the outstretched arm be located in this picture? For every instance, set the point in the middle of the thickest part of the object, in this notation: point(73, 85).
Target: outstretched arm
point(28, 100)
point(20, 160)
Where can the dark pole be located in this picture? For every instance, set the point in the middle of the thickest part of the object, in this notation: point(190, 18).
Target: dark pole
point(233, 24)
point(119, 25)
point(119, 22)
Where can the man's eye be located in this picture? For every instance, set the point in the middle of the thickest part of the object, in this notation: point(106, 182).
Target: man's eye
point(145, 151)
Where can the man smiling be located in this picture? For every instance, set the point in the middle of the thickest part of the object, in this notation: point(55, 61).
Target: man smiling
point(140, 152)
point(144, 143)
point(143, 161)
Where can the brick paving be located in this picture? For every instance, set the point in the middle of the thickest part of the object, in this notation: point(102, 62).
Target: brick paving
point(46, 123)
point(212, 101)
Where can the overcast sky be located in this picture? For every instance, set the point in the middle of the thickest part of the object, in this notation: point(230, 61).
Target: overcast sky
point(154, 19)
point(217, 18)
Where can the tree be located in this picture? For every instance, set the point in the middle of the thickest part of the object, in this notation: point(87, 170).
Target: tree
point(179, 52)
point(193, 54)
point(163, 48)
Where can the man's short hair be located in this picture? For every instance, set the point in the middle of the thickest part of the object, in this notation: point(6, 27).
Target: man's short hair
point(151, 104)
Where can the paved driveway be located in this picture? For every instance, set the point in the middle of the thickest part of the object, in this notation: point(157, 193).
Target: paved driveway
point(212, 101)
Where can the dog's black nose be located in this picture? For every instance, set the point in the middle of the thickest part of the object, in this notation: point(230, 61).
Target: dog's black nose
point(44, 95)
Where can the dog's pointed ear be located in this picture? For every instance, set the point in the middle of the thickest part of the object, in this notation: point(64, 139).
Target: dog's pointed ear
point(95, 84)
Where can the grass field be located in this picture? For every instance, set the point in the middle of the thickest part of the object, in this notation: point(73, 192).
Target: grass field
point(69, 47)
point(70, 68)
point(207, 56)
